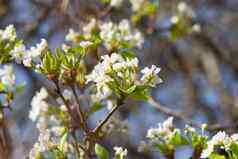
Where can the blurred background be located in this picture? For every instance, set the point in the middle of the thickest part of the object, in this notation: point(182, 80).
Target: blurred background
point(200, 71)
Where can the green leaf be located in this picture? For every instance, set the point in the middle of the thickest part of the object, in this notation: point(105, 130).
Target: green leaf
point(161, 147)
point(178, 139)
point(216, 156)
point(63, 141)
point(101, 152)
point(140, 93)
point(150, 8)
point(2, 87)
point(127, 54)
point(131, 89)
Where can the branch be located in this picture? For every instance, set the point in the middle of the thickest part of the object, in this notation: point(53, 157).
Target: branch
point(170, 112)
point(79, 110)
point(180, 116)
point(104, 121)
point(58, 90)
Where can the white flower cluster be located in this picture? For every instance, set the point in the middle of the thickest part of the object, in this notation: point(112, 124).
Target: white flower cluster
point(19, 52)
point(9, 33)
point(110, 64)
point(38, 104)
point(114, 35)
point(116, 69)
point(183, 11)
point(164, 131)
point(33, 54)
point(50, 126)
point(150, 76)
point(222, 140)
point(7, 77)
point(136, 4)
point(120, 153)
point(72, 36)
point(88, 28)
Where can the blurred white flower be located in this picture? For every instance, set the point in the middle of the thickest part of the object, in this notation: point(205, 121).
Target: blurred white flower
point(18, 52)
point(150, 76)
point(9, 33)
point(38, 104)
point(222, 140)
point(116, 3)
point(33, 54)
point(115, 34)
point(164, 130)
point(88, 28)
point(72, 36)
point(7, 76)
point(120, 153)
point(136, 4)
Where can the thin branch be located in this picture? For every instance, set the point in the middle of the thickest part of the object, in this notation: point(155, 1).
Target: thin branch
point(58, 90)
point(104, 121)
point(77, 145)
point(170, 112)
point(178, 115)
point(79, 110)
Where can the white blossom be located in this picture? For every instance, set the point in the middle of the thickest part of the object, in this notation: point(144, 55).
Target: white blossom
point(136, 4)
point(120, 152)
point(164, 130)
point(220, 139)
point(174, 19)
point(7, 76)
point(38, 104)
point(189, 129)
point(116, 3)
point(72, 36)
point(18, 52)
point(33, 54)
point(150, 76)
point(8, 34)
point(185, 9)
point(113, 34)
point(196, 28)
point(110, 64)
point(88, 28)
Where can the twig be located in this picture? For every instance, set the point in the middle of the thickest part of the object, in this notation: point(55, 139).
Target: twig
point(104, 121)
point(79, 110)
point(170, 112)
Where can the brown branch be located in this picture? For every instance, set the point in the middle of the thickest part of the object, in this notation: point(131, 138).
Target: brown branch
point(180, 116)
point(170, 112)
point(79, 110)
point(104, 121)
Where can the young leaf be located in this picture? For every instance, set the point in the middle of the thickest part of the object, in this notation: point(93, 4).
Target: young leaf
point(101, 152)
